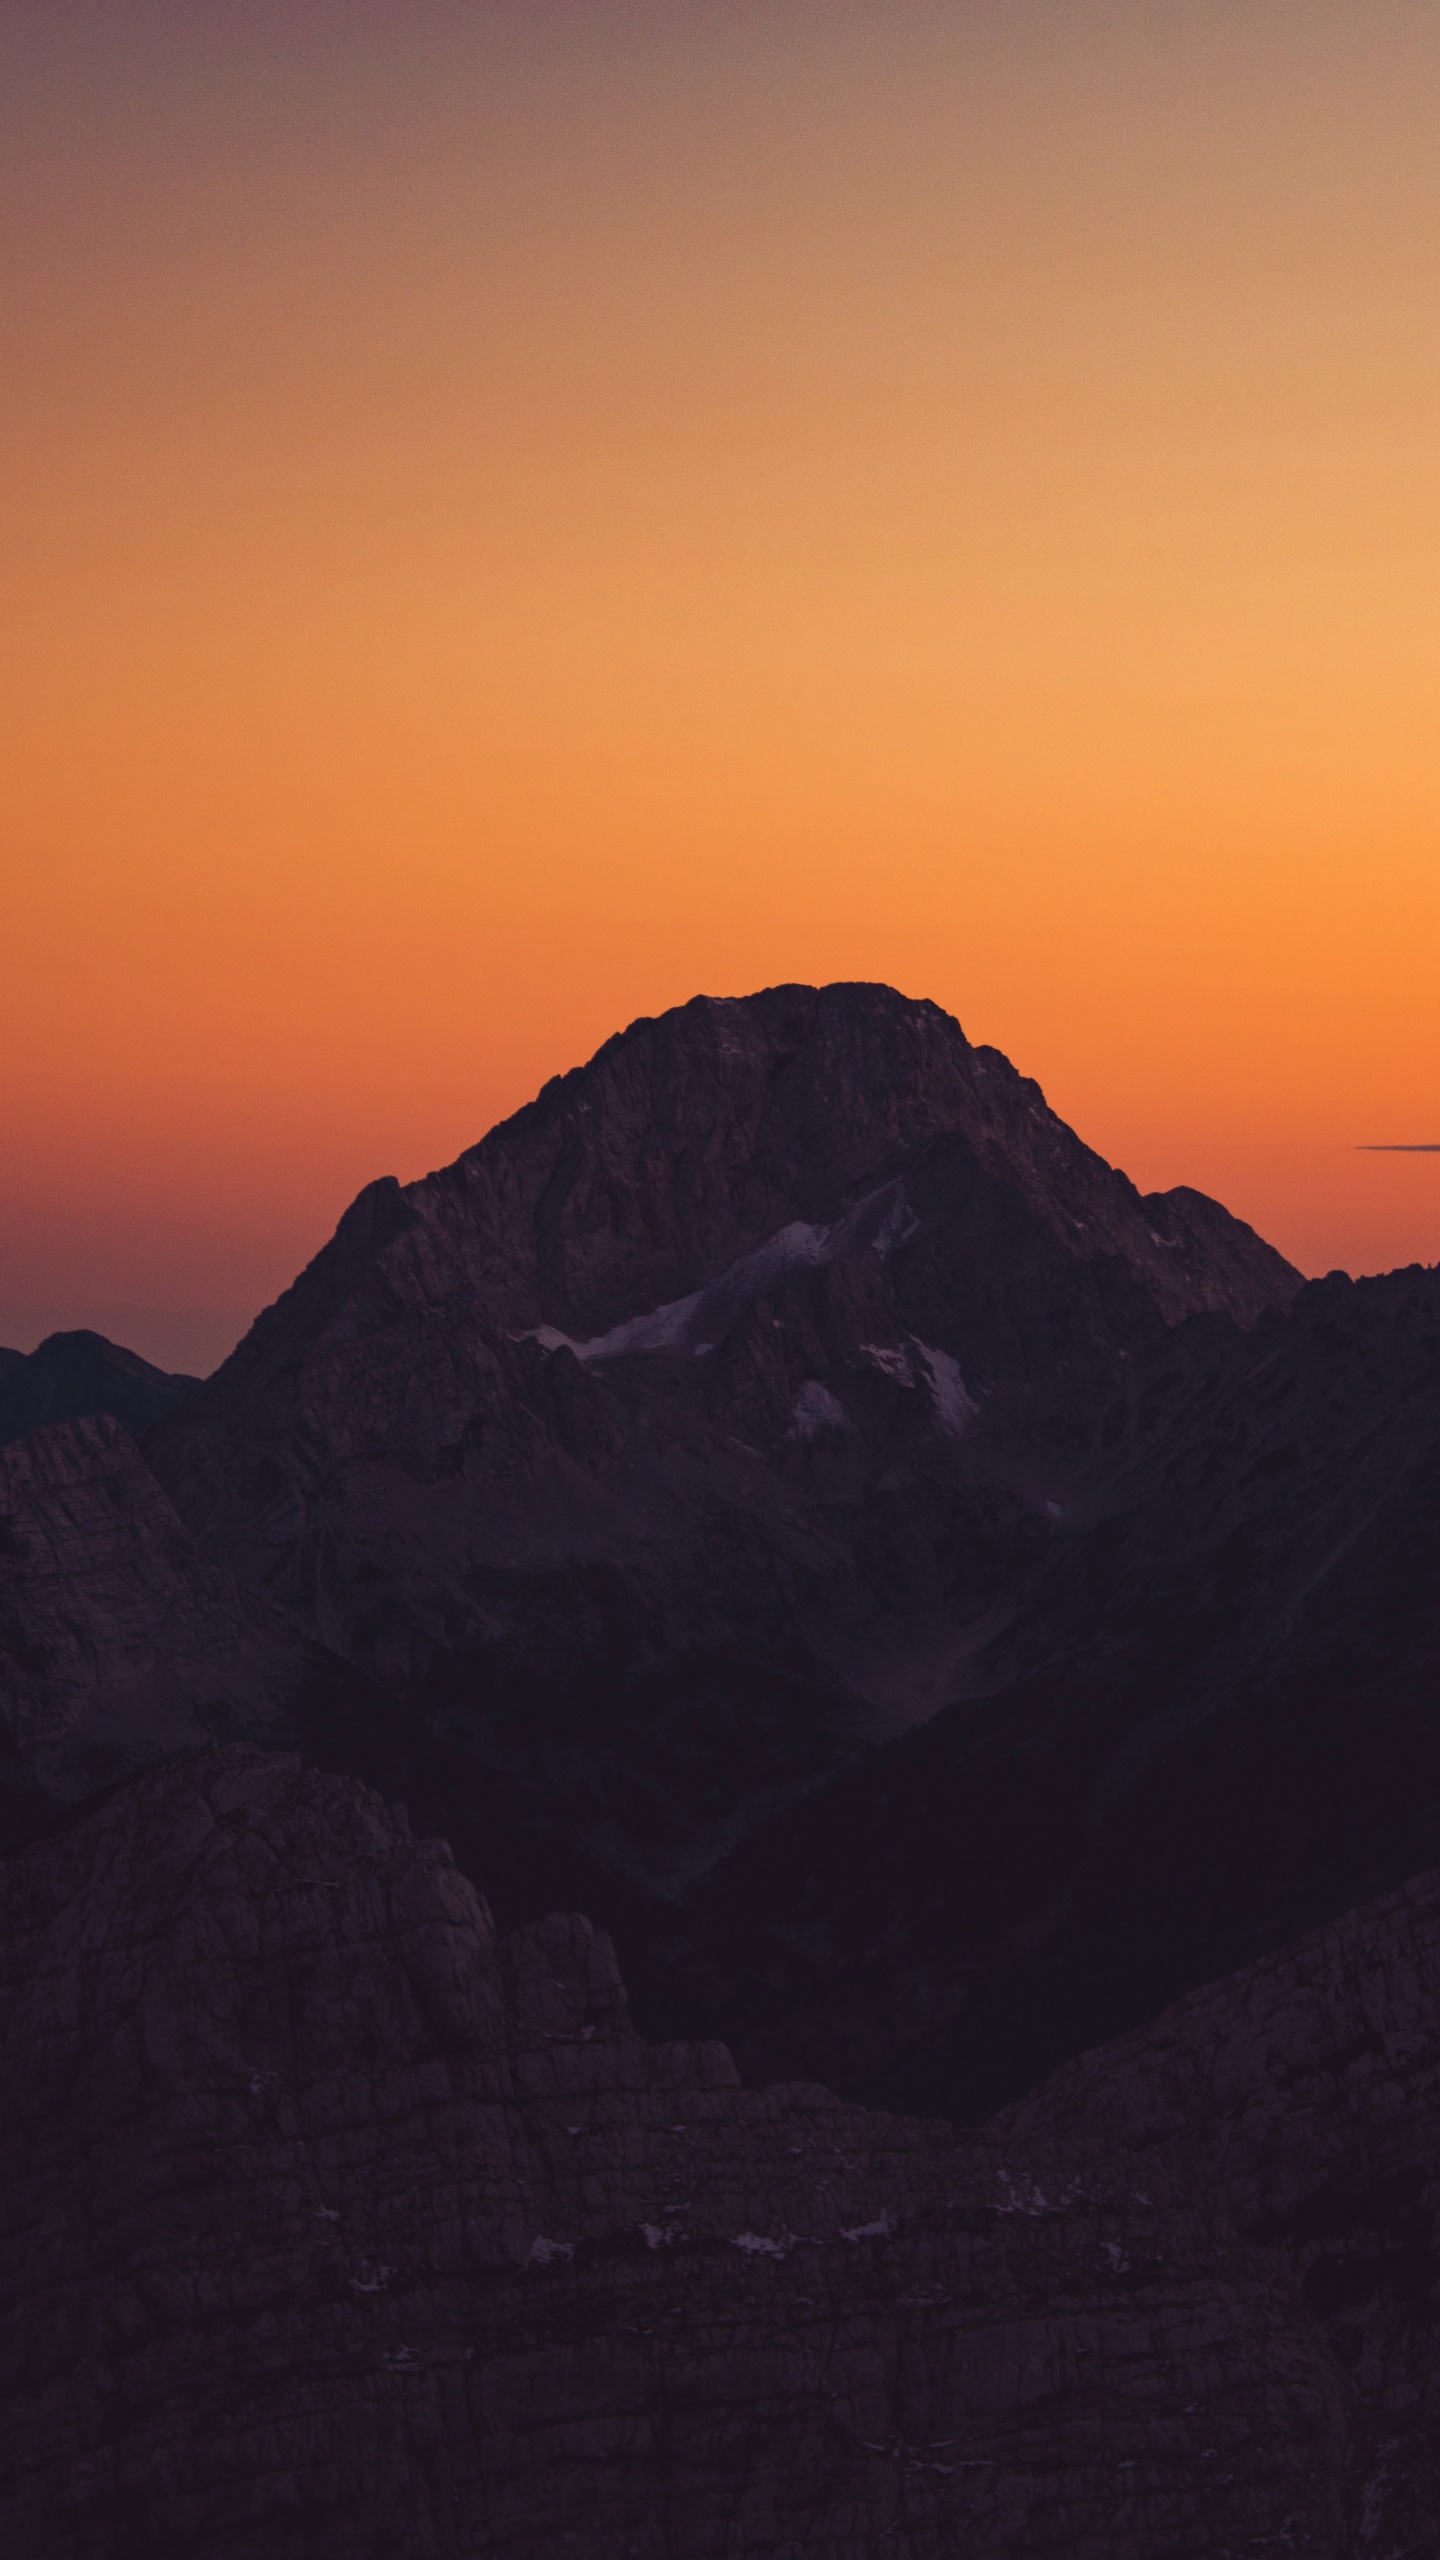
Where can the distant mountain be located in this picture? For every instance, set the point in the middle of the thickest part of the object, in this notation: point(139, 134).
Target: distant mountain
point(71, 1374)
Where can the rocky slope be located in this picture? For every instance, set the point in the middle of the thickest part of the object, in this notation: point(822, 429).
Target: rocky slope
point(1213, 1727)
point(120, 1640)
point(1303, 2098)
point(330, 2226)
point(72, 1374)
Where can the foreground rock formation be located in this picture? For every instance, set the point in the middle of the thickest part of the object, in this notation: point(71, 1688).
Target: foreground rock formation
point(333, 2226)
point(1303, 2098)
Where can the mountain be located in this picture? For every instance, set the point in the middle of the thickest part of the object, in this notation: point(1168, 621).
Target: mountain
point(711, 1419)
point(331, 2224)
point(963, 1624)
point(784, 1493)
point(71, 1374)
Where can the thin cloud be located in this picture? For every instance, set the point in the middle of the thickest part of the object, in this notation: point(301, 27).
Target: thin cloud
point(1392, 1147)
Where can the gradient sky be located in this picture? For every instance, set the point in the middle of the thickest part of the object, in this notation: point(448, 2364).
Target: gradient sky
point(511, 516)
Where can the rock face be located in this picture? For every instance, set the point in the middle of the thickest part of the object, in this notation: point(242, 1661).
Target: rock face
point(72, 1374)
point(333, 2226)
point(120, 1640)
point(1303, 2097)
point(1213, 1726)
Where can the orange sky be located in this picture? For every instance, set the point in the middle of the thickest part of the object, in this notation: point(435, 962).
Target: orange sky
point(511, 516)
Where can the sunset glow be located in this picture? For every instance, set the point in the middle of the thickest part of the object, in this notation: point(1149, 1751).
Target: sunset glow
point(513, 516)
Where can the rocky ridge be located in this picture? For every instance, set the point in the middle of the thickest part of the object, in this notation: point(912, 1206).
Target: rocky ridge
point(73, 1374)
point(1302, 2097)
point(333, 2225)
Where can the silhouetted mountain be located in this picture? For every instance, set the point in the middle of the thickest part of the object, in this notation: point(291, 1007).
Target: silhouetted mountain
point(705, 1423)
point(783, 1491)
point(72, 1374)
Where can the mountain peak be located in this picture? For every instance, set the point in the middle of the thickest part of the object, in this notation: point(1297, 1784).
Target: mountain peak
point(693, 1134)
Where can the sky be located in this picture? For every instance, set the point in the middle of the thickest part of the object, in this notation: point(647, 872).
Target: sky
point(513, 516)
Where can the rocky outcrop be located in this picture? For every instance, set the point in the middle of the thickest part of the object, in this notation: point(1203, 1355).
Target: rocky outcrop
point(72, 1374)
point(120, 1640)
point(334, 2226)
point(1302, 2097)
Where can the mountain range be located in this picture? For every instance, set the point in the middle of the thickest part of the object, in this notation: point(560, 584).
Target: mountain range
point(968, 1628)
point(785, 1494)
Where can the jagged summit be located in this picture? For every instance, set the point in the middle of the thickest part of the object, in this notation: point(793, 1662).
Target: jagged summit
point(692, 1137)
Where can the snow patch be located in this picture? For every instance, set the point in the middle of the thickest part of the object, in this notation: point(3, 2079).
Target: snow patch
point(895, 1364)
point(1022, 2195)
point(816, 1410)
point(955, 1407)
point(660, 1330)
point(880, 2230)
point(712, 1310)
point(755, 2245)
point(897, 1227)
point(546, 2253)
point(795, 1247)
